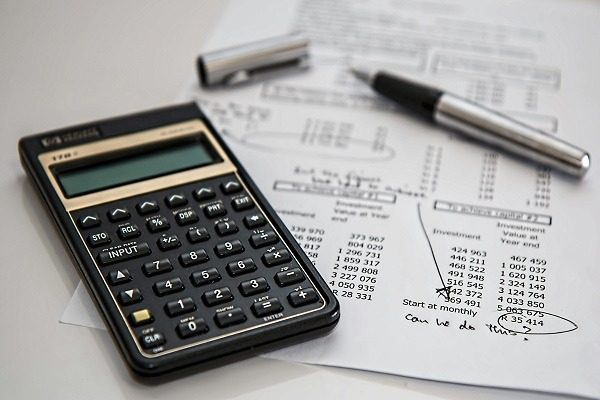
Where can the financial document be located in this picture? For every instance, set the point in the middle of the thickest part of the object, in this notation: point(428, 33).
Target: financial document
point(451, 261)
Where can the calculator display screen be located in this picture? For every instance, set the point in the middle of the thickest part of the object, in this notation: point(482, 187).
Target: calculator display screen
point(104, 174)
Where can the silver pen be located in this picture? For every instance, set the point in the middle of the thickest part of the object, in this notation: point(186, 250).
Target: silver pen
point(479, 122)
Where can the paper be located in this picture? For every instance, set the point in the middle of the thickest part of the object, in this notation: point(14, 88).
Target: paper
point(451, 261)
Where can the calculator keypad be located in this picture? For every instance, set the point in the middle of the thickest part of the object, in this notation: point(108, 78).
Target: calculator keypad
point(194, 262)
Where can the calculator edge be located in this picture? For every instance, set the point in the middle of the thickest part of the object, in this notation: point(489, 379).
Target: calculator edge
point(314, 324)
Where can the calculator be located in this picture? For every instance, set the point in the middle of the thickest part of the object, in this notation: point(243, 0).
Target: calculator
point(184, 257)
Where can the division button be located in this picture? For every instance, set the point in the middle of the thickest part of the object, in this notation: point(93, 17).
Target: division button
point(231, 187)
point(88, 221)
point(267, 307)
point(123, 253)
point(303, 297)
point(185, 217)
point(264, 238)
point(193, 257)
point(130, 296)
point(241, 267)
point(152, 340)
point(192, 328)
point(181, 306)
point(163, 288)
point(204, 193)
point(215, 209)
point(254, 221)
point(176, 200)
point(242, 203)
point(228, 248)
point(196, 235)
point(230, 317)
point(157, 224)
point(118, 214)
point(147, 207)
point(205, 277)
point(168, 242)
point(276, 257)
point(157, 267)
point(118, 277)
point(141, 317)
point(289, 277)
point(98, 239)
point(226, 227)
point(254, 286)
point(217, 296)
point(128, 231)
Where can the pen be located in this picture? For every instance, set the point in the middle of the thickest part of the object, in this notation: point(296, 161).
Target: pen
point(478, 122)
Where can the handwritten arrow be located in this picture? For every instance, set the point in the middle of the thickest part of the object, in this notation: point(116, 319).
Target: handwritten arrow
point(444, 290)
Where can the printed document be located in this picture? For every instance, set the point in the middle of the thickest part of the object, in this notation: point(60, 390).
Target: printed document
point(452, 261)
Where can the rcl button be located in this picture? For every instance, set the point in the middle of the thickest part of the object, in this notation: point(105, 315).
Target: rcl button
point(152, 340)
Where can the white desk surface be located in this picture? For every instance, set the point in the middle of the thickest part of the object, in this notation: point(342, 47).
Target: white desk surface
point(65, 62)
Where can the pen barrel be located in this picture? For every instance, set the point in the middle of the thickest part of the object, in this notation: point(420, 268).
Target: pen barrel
point(501, 131)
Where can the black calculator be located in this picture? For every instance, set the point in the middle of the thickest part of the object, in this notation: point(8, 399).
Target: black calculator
point(184, 257)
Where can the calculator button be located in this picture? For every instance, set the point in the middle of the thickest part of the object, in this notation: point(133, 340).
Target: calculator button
point(130, 296)
point(193, 257)
point(196, 235)
point(217, 296)
point(186, 217)
point(128, 231)
point(163, 288)
point(123, 253)
point(118, 214)
point(242, 203)
point(192, 328)
point(286, 278)
point(204, 193)
point(147, 207)
point(303, 297)
point(205, 277)
point(88, 221)
point(118, 277)
point(157, 224)
point(152, 340)
point(230, 317)
point(226, 227)
point(230, 187)
point(181, 306)
point(168, 242)
point(254, 286)
point(254, 221)
point(98, 239)
point(276, 257)
point(176, 200)
point(264, 238)
point(241, 267)
point(215, 209)
point(228, 248)
point(267, 307)
point(157, 267)
point(141, 317)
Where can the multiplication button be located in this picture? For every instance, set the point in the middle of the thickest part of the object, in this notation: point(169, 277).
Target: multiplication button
point(276, 257)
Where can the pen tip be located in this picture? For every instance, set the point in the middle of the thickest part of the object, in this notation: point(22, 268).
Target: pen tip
point(362, 74)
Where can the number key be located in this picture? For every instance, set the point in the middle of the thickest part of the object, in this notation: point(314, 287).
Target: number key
point(228, 248)
point(192, 328)
point(181, 306)
point(193, 257)
point(157, 267)
point(167, 287)
point(240, 267)
point(254, 286)
point(204, 277)
point(217, 296)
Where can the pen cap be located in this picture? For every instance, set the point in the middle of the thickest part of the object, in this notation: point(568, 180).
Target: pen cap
point(252, 61)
